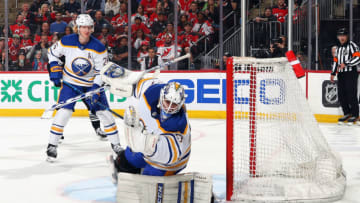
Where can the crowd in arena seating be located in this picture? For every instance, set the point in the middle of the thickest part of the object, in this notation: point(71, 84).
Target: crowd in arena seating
point(40, 24)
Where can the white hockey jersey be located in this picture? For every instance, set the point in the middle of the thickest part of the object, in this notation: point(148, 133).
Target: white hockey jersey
point(174, 145)
point(82, 62)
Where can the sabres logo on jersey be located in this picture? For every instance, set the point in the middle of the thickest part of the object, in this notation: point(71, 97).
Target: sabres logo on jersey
point(81, 66)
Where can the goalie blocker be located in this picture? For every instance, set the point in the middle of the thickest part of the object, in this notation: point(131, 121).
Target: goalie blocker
point(188, 187)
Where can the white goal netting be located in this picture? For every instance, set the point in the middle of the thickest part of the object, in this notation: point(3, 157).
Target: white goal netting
point(276, 150)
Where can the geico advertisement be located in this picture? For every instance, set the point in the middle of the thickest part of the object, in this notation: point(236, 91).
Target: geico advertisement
point(204, 91)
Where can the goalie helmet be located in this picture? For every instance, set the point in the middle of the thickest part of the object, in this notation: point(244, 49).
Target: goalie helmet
point(172, 98)
point(84, 20)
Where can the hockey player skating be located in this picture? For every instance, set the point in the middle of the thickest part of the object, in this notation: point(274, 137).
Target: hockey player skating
point(157, 131)
point(84, 58)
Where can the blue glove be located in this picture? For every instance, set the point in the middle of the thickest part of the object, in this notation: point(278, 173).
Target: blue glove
point(56, 75)
point(95, 97)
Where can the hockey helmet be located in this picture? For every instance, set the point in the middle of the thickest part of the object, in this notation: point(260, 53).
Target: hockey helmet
point(84, 20)
point(172, 98)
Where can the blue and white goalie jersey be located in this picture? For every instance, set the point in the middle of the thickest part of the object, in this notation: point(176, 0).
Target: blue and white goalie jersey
point(82, 62)
point(174, 145)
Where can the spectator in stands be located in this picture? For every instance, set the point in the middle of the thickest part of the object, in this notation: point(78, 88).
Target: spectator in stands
point(262, 28)
point(168, 6)
point(143, 52)
point(39, 63)
point(188, 38)
point(2, 64)
point(57, 7)
point(185, 5)
point(56, 37)
point(36, 5)
point(29, 17)
point(182, 22)
point(159, 25)
point(59, 25)
point(91, 6)
point(14, 47)
point(140, 37)
point(151, 60)
point(73, 19)
point(42, 46)
point(121, 19)
point(45, 30)
point(140, 13)
point(120, 55)
point(302, 58)
point(149, 6)
point(167, 50)
point(112, 8)
point(139, 25)
point(278, 47)
point(27, 41)
point(2, 45)
point(23, 64)
point(226, 56)
point(68, 30)
point(44, 14)
point(100, 21)
point(160, 39)
point(72, 7)
point(211, 10)
point(202, 26)
point(192, 13)
point(155, 15)
point(280, 11)
point(171, 16)
point(19, 27)
point(107, 36)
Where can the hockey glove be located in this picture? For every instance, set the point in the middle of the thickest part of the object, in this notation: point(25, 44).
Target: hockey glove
point(95, 97)
point(56, 75)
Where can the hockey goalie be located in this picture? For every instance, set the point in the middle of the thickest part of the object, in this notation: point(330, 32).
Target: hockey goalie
point(158, 135)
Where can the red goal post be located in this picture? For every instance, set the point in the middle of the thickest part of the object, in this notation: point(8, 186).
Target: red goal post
point(275, 149)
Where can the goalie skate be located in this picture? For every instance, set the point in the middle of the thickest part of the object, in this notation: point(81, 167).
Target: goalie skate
point(112, 168)
point(344, 119)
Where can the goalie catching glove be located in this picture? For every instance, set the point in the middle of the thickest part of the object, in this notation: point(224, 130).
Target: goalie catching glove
point(137, 138)
point(121, 80)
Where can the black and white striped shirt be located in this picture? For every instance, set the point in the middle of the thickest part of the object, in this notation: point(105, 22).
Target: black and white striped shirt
point(348, 54)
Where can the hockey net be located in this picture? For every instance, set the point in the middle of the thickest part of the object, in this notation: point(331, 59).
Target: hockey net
point(275, 149)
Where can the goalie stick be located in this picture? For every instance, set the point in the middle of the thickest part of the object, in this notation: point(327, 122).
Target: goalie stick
point(49, 112)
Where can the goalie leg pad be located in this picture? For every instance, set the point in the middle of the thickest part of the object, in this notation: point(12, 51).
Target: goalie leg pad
point(189, 187)
point(123, 165)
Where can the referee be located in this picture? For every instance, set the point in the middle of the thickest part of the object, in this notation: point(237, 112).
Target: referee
point(347, 57)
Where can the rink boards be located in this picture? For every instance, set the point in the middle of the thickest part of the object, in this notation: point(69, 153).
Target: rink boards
point(28, 94)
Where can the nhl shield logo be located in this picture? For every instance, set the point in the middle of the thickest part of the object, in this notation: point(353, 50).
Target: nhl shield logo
point(330, 94)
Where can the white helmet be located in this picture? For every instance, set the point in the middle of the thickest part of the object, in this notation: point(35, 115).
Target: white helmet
point(172, 98)
point(84, 20)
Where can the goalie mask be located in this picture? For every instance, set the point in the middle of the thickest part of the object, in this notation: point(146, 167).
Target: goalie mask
point(172, 98)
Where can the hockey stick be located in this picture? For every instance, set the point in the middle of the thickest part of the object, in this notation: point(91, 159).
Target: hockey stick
point(49, 112)
point(98, 102)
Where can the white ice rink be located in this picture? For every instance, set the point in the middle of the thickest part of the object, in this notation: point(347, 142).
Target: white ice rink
point(81, 174)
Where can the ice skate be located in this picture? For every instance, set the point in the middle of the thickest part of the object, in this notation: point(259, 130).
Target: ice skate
point(101, 134)
point(113, 171)
point(344, 119)
point(352, 120)
point(51, 153)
